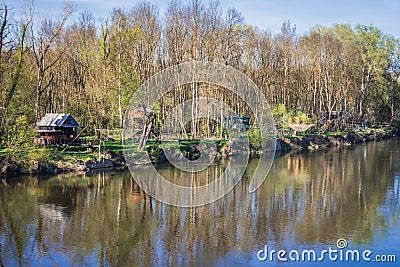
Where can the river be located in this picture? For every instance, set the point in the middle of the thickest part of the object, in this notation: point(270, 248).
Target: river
point(307, 203)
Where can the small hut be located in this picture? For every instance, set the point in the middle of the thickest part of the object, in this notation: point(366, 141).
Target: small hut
point(56, 129)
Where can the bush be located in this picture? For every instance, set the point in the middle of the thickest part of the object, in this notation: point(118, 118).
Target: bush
point(255, 140)
point(281, 116)
point(299, 118)
point(41, 155)
point(20, 134)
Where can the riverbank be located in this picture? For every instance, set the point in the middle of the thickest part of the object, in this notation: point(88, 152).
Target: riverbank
point(314, 142)
point(52, 160)
point(78, 158)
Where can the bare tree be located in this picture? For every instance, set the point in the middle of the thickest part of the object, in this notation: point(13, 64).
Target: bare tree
point(45, 56)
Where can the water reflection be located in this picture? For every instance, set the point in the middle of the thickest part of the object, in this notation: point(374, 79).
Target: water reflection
point(104, 218)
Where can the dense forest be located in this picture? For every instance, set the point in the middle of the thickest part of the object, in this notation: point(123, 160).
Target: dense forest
point(90, 68)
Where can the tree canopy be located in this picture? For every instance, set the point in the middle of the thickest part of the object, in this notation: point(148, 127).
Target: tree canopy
point(91, 68)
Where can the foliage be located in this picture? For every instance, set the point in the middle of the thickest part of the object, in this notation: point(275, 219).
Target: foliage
point(281, 116)
point(41, 155)
point(255, 140)
point(91, 69)
point(20, 134)
point(299, 117)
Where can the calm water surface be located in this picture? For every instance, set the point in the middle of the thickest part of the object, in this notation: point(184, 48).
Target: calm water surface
point(307, 202)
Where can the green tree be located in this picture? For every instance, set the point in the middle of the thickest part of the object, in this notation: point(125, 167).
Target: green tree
point(20, 134)
point(375, 51)
point(13, 50)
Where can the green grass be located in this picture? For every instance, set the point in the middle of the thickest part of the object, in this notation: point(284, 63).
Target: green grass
point(76, 156)
point(80, 153)
point(40, 154)
point(113, 146)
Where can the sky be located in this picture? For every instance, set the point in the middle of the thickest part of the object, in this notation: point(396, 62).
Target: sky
point(265, 14)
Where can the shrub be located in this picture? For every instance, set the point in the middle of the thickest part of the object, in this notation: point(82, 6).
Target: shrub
point(20, 134)
point(281, 116)
point(299, 118)
point(254, 135)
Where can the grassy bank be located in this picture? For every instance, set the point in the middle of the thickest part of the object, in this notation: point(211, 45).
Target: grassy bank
point(32, 160)
point(38, 160)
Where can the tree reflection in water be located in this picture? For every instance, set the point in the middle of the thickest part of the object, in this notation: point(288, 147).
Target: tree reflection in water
point(106, 219)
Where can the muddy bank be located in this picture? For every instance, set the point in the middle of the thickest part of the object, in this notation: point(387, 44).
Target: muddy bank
point(314, 142)
point(11, 166)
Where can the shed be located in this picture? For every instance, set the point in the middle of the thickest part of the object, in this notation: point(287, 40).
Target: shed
point(56, 129)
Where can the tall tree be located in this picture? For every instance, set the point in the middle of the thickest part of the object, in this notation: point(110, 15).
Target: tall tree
point(375, 50)
point(13, 51)
point(42, 42)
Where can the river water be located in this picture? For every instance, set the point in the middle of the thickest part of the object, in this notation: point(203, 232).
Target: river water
point(307, 203)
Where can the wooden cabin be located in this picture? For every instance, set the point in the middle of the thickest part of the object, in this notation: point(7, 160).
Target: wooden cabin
point(56, 129)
